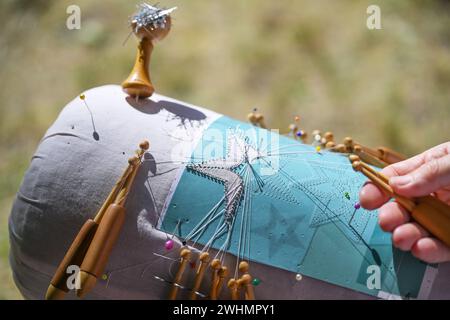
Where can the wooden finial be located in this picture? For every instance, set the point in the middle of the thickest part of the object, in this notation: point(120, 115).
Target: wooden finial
point(149, 24)
point(256, 118)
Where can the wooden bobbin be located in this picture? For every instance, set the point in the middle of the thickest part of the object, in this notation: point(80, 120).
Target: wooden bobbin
point(245, 281)
point(256, 119)
point(368, 157)
point(215, 266)
point(304, 136)
point(223, 273)
point(219, 273)
point(327, 138)
point(204, 260)
point(234, 288)
point(185, 255)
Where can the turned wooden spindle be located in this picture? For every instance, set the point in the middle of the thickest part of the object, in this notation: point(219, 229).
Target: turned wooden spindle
point(204, 260)
point(185, 255)
point(328, 138)
point(234, 288)
point(256, 119)
point(215, 266)
point(138, 84)
point(223, 273)
point(219, 273)
point(245, 281)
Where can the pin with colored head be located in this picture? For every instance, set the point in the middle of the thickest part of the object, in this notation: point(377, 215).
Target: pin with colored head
point(149, 24)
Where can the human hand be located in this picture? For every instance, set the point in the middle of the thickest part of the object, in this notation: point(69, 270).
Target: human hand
point(424, 174)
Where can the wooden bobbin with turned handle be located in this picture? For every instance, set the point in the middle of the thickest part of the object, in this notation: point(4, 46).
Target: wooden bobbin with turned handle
point(219, 273)
point(234, 288)
point(204, 260)
point(185, 255)
point(245, 281)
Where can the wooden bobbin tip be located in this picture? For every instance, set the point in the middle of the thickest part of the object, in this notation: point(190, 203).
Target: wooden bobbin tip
point(243, 266)
point(251, 117)
point(204, 256)
point(144, 145)
point(328, 136)
point(133, 160)
point(185, 253)
point(231, 283)
point(356, 165)
point(215, 264)
point(348, 141)
point(353, 158)
point(245, 279)
point(330, 144)
point(223, 272)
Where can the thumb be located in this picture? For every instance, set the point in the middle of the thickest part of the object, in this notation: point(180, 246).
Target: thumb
point(424, 180)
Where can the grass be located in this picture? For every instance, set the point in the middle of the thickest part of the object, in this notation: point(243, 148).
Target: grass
point(313, 58)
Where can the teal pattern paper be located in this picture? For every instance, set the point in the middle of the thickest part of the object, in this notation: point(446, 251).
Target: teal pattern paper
point(289, 206)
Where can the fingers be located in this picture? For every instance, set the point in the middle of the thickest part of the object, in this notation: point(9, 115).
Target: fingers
point(431, 176)
point(431, 250)
point(406, 235)
point(392, 215)
point(372, 197)
point(410, 236)
point(404, 167)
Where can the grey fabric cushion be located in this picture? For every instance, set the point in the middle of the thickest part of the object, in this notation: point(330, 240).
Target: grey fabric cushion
point(74, 168)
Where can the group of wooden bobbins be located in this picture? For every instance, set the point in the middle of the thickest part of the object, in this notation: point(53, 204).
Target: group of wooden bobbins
point(219, 274)
point(93, 244)
point(431, 213)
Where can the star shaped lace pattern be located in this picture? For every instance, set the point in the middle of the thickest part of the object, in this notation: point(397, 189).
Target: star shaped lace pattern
point(332, 182)
point(326, 186)
point(222, 171)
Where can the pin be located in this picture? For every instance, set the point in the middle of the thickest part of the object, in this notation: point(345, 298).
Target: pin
point(298, 277)
point(169, 244)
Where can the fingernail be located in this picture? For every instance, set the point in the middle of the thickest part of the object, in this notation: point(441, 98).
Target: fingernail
point(400, 181)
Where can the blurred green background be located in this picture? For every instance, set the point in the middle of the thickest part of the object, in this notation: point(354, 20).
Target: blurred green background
point(312, 58)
